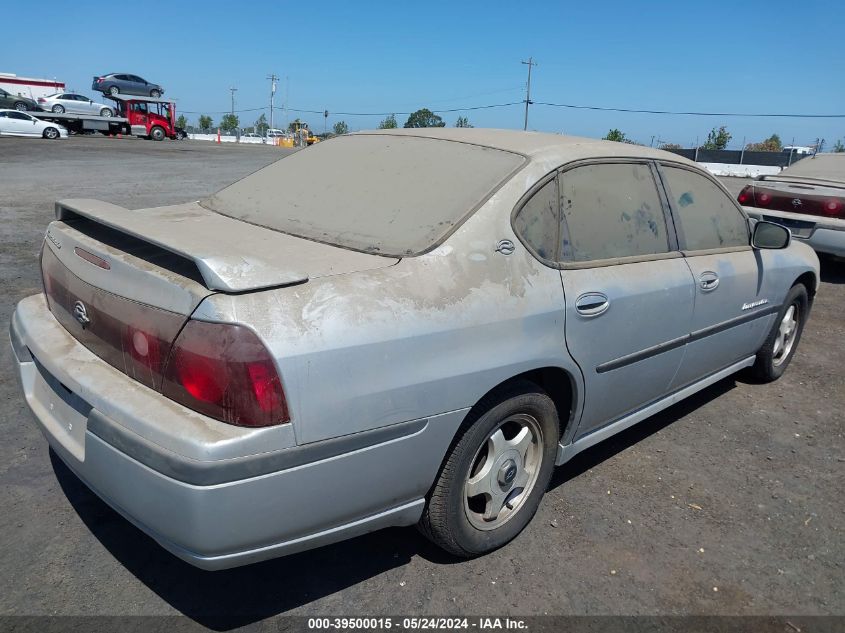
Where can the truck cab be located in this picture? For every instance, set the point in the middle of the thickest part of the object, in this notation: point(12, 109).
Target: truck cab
point(148, 117)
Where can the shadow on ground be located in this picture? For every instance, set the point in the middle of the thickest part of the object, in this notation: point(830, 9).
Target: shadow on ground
point(234, 598)
point(832, 270)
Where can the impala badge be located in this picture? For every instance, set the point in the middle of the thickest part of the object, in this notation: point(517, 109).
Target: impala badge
point(796, 202)
point(754, 304)
point(81, 314)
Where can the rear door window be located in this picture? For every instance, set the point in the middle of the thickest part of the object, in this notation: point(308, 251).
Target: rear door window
point(538, 221)
point(609, 211)
point(707, 217)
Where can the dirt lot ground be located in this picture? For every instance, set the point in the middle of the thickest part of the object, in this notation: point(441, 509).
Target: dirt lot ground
point(728, 503)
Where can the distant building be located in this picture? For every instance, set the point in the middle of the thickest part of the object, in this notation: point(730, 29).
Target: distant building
point(29, 86)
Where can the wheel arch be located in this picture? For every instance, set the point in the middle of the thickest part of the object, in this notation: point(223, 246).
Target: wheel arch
point(809, 281)
point(560, 384)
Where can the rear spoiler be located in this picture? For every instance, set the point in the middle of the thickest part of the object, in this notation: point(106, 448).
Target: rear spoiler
point(232, 256)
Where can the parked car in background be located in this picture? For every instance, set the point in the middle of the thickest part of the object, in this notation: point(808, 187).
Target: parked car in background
point(74, 104)
point(126, 84)
point(419, 342)
point(17, 123)
point(808, 198)
point(16, 102)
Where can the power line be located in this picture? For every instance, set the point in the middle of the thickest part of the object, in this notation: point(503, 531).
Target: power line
point(747, 114)
point(554, 105)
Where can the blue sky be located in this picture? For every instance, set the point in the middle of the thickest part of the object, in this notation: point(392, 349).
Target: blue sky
point(755, 56)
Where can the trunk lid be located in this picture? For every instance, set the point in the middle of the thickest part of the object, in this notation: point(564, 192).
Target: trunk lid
point(231, 255)
point(125, 282)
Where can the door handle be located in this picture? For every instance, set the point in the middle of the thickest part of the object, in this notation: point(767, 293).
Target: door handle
point(708, 281)
point(592, 304)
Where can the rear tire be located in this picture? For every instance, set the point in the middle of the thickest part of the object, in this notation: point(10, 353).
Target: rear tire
point(495, 475)
point(20, 106)
point(106, 112)
point(779, 348)
point(157, 133)
point(114, 91)
point(58, 109)
point(51, 133)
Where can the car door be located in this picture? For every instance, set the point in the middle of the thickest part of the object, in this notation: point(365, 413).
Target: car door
point(72, 104)
point(123, 83)
point(137, 85)
point(6, 100)
point(86, 105)
point(76, 104)
point(732, 313)
point(627, 292)
point(22, 124)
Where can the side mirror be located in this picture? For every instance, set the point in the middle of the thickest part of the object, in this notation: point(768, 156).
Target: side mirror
point(770, 235)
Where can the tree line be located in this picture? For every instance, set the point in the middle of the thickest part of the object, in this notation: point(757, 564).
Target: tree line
point(717, 138)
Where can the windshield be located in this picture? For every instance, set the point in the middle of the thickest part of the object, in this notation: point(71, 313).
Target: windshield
point(376, 193)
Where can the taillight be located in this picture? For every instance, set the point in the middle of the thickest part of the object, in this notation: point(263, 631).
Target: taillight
point(763, 198)
point(42, 100)
point(224, 371)
point(746, 196)
point(832, 207)
point(133, 337)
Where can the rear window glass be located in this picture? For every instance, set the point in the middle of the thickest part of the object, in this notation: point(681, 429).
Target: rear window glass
point(382, 194)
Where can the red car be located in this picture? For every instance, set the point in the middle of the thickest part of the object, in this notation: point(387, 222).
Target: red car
point(808, 198)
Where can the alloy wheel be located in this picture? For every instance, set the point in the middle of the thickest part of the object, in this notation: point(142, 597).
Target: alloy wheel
point(504, 471)
point(787, 333)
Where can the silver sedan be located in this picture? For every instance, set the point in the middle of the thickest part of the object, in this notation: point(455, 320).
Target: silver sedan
point(393, 328)
point(70, 103)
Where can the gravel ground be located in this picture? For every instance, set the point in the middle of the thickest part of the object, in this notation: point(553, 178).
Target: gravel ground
point(728, 503)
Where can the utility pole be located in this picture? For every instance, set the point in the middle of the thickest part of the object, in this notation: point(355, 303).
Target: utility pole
point(529, 63)
point(286, 102)
point(273, 79)
point(325, 120)
point(233, 91)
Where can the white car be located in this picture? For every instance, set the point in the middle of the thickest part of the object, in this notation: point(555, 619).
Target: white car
point(74, 104)
point(14, 123)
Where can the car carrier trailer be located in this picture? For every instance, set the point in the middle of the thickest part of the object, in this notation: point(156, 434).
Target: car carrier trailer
point(147, 117)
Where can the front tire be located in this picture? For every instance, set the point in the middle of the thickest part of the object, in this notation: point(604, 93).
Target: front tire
point(106, 112)
point(779, 348)
point(494, 477)
point(157, 133)
point(20, 106)
point(155, 94)
point(51, 133)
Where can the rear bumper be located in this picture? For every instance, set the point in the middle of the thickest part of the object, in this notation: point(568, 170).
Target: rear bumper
point(824, 235)
point(218, 513)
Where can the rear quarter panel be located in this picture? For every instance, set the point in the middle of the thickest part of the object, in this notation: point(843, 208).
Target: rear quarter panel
point(429, 335)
